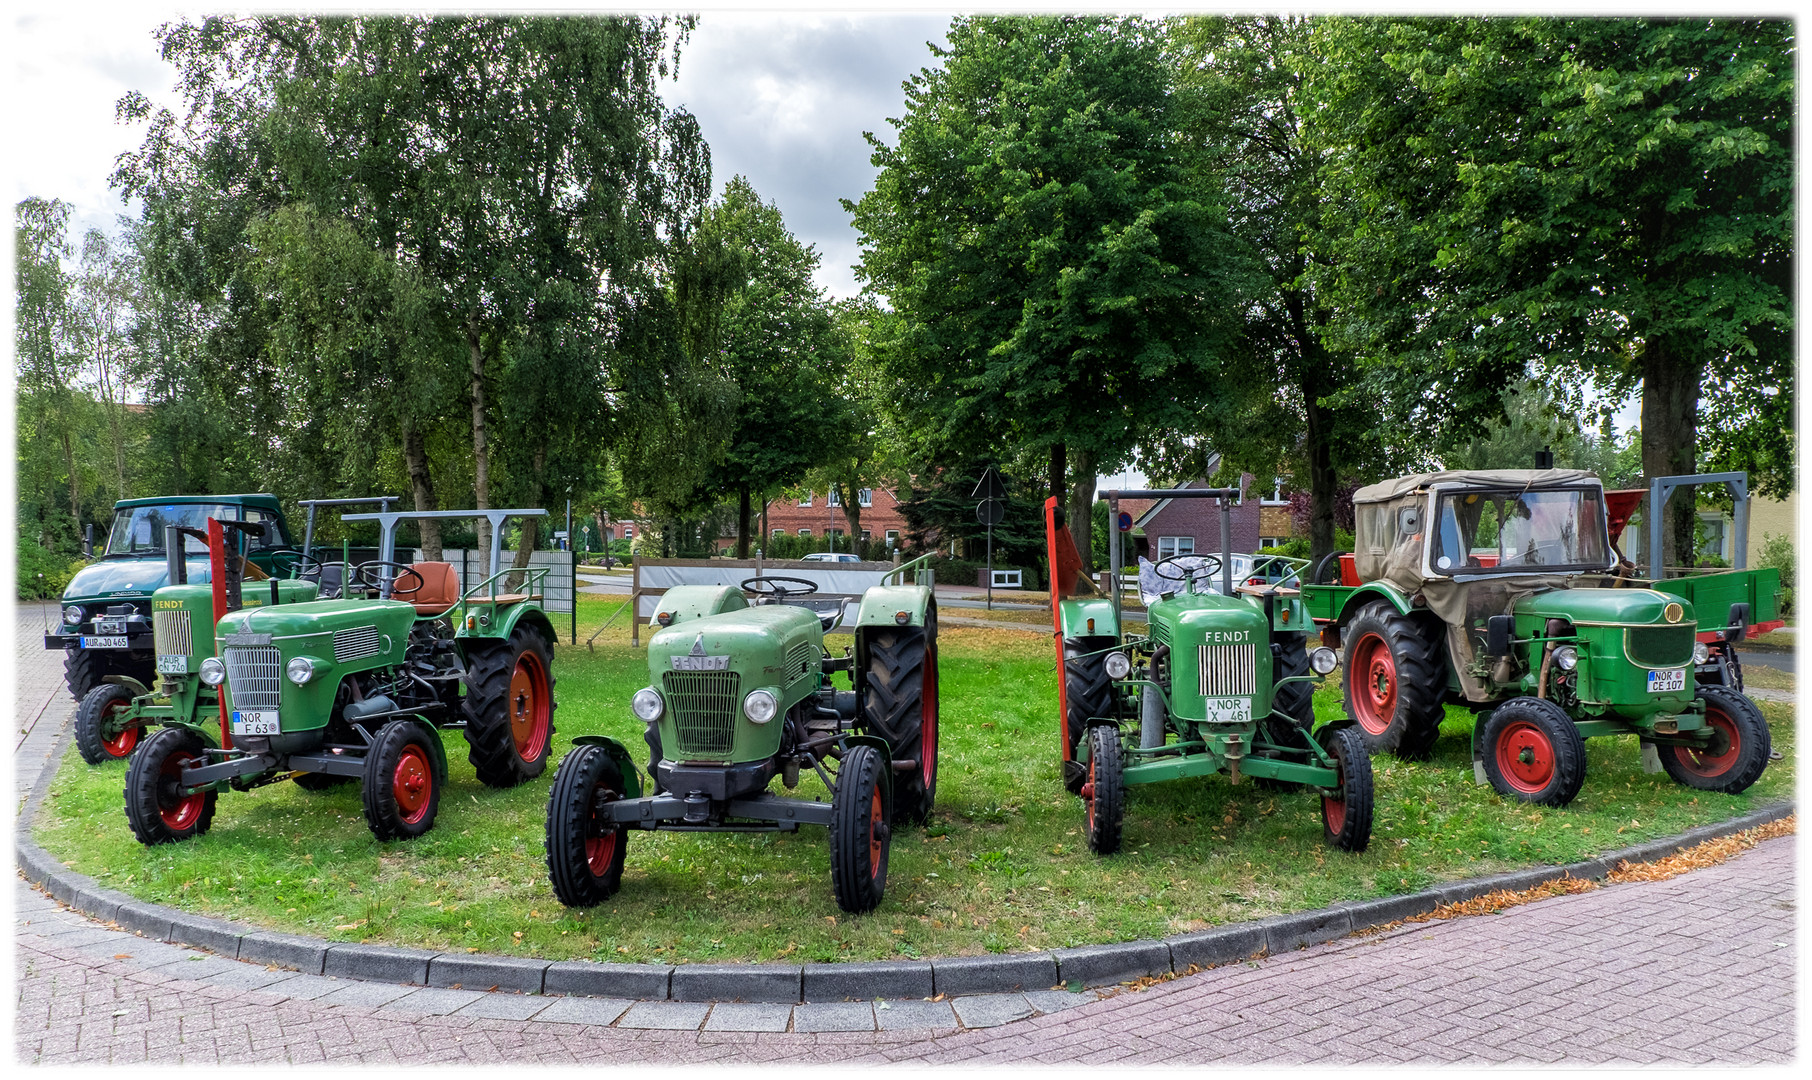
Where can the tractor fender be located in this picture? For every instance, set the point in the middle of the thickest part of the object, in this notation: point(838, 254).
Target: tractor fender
point(632, 780)
point(435, 749)
point(1075, 614)
point(882, 604)
point(517, 614)
point(684, 602)
point(880, 746)
point(1370, 591)
point(138, 689)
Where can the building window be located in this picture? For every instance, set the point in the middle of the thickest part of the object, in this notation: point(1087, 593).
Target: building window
point(893, 539)
point(833, 532)
point(865, 497)
point(835, 498)
point(807, 501)
point(1175, 545)
point(865, 536)
point(805, 532)
point(1270, 541)
point(778, 532)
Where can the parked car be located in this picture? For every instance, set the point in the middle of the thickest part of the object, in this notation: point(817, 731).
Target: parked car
point(830, 556)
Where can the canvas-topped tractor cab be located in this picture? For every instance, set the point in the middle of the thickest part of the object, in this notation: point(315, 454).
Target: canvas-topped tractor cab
point(1221, 683)
point(740, 693)
point(356, 688)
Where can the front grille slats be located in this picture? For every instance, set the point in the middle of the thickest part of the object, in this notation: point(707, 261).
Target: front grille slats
point(170, 633)
point(1227, 670)
point(705, 705)
point(1660, 646)
point(254, 675)
point(355, 643)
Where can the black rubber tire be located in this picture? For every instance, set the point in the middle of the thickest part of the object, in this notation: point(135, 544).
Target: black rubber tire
point(1320, 575)
point(1404, 653)
point(494, 751)
point(1542, 732)
point(1105, 787)
point(91, 725)
point(902, 665)
point(395, 806)
point(860, 832)
point(1087, 692)
point(1289, 657)
point(85, 669)
point(584, 856)
point(156, 811)
point(1725, 771)
point(1346, 821)
point(320, 781)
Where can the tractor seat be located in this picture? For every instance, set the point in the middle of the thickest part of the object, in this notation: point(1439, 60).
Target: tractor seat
point(506, 598)
point(439, 590)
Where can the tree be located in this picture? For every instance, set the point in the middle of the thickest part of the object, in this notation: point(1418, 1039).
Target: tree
point(102, 319)
point(1061, 285)
point(1609, 199)
point(48, 362)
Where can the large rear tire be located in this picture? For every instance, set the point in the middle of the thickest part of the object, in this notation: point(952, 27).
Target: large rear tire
point(1296, 700)
point(1087, 693)
point(99, 734)
point(1739, 748)
point(861, 836)
point(156, 807)
point(85, 669)
point(509, 708)
point(402, 781)
point(900, 705)
point(1533, 752)
point(1392, 681)
point(585, 854)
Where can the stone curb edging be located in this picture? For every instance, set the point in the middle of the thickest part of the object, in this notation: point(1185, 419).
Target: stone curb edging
point(1089, 965)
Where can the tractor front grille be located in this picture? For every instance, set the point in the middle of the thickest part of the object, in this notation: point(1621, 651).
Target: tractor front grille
point(800, 661)
point(170, 633)
point(705, 705)
point(1660, 646)
point(254, 675)
point(355, 644)
point(1227, 670)
point(1160, 634)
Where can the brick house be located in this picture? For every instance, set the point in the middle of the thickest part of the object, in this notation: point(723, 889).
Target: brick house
point(1180, 526)
point(815, 514)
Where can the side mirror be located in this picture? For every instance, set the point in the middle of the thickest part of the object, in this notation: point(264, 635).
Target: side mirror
point(1500, 631)
point(1736, 628)
point(1409, 521)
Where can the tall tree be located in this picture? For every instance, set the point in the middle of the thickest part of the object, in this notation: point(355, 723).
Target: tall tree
point(44, 345)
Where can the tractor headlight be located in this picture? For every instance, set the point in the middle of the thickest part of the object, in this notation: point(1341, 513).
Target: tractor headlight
point(300, 670)
point(760, 706)
point(647, 704)
point(1701, 652)
point(1118, 665)
point(1323, 660)
point(213, 672)
point(72, 615)
point(1566, 658)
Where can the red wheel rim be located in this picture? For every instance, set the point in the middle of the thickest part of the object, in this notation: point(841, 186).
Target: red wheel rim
point(1525, 757)
point(600, 852)
point(1088, 794)
point(1374, 682)
point(1706, 762)
point(1333, 810)
point(874, 834)
point(120, 745)
point(412, 784)
point(928, 720)
point(180, 812)
point(529, 707)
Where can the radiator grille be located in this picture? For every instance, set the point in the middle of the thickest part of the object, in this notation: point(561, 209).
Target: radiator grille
point(170, 633)
point(254, 675)
point(1660, 646)
point(355, 644)
point(800, 662)
point(705, 705)
point(1227, 670)
point(1160, 633)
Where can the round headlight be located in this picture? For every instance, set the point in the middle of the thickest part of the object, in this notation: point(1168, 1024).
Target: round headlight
point(647, 704)
point(760, 706)
point(72, 615)
point(1566, 658)
point(213, 672)
point(1118, 665)
point(1701, 652)
point(299, 670)
point(1323, 660)
point(1673, 612)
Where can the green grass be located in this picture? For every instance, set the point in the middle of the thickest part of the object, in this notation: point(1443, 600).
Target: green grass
point(1003, 867)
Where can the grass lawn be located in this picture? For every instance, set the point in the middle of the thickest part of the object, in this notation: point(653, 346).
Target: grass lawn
point(1003, 866)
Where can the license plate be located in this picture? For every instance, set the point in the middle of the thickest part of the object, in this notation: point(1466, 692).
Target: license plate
point(114, 625)
point(172, 664)
point(1235, 710)
point(1667, 682)
point(701, 663)
point(103, 642)
point(256, 722)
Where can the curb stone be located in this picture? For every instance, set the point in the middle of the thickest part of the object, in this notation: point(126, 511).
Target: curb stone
point(480, 972)
point(1001, 972)
point(867, 980)
point(737, 982)
point(587, 978)
point(1104, 965)
point(380, 963)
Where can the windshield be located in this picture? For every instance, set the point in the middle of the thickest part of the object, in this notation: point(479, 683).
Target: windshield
point(1517, 530)
point(139, 530)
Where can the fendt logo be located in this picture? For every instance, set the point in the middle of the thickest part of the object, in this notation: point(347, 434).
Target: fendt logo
point(1227, 637)
point(698, 645)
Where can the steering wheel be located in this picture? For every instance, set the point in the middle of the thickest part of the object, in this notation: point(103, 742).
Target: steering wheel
point(769, 587)
point(1332, 559)
point(301, 565)
point(363, 576)
point(1211, 564)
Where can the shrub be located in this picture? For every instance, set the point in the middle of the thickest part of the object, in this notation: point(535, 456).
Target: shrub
point(43, 574)
point(1777, 553)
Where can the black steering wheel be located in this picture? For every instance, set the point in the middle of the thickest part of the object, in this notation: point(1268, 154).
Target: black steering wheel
point(769, 587)
point(1211, 564)
point(1319, 576)
point(363, 575)
point(301, 565)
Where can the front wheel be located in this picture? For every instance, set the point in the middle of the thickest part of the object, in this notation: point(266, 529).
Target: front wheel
point(101, 733)
point(1738, 750)
point(402, 781)
point(900, 704)
point(860, 830)
point(1533, 752)
point(584, 850)
point(509, 708)
point(1346, 812)
point(1104, 789)
point(157, 807)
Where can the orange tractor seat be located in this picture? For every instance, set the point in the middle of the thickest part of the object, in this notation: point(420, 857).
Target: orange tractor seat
point(439, 590)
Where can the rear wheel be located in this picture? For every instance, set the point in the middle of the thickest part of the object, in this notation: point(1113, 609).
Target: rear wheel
point(584, 851)
point(1104, 789)
point(509, 708)
point(1738, 750)
point(860, 832)
point(1533, 752)
point(85, 669)
point(900, 705)
point(158, 809)
point(1087, 693)
point(1346, 813)
point(1393, 681)
point(101, 733)
point(402, 781)
point(1296, 700)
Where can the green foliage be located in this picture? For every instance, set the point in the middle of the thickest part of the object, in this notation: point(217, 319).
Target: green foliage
point(1777, 552)
point(43, 573)
point(939, 509)
point(1534, 419)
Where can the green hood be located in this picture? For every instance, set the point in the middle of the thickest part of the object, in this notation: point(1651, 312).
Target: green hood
point(1602, 607)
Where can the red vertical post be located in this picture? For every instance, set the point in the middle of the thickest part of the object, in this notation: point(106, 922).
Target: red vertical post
point(217, 578)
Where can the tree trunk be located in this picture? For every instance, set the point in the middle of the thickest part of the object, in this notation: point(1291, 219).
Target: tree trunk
point(1324, 481)
point(531, 526)
point(1670, 435)
point(852, 516)
point(481, 456)
point(421, 485)
point(742, 520)
point(75, 491)
point(1082, 506)
point(1057, 479)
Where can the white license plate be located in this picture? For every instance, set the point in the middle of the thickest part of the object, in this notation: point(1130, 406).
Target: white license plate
point(1233, 710)
point(256, 722)
point(172, 664)
point(103, 642)
point(701, 663)
point(114, 625)
point(1667, 682)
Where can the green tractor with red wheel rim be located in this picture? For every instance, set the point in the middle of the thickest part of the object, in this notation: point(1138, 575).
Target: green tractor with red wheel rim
point(740, 693)
point(357, 688)
point(1502, 591)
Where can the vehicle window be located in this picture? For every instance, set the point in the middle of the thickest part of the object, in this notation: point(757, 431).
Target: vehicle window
point(276, 539)
point(1520, 529)
point(139, 530)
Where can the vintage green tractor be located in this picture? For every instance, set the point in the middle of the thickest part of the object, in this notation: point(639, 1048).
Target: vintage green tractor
point(356, 687)
point(740, 693)
point(1497, 591)
point(1222, 683)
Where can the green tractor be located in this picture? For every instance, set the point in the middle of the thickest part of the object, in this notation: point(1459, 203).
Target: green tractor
point(1501, 591)
point(355, 688)
point(739, 693)
point(1221, 683)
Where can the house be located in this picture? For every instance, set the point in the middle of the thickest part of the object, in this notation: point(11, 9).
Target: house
point(1184, 526)
point(817, 513)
